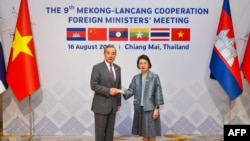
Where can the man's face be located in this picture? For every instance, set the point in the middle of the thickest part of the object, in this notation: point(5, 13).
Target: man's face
point(110, 54)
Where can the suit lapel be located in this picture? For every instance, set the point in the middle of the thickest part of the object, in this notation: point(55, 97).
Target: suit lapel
point(105, 68)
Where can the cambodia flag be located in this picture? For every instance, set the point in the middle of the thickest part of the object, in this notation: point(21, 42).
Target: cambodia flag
point(224, 64)
point(76, 34)
point(246, 61)
point(118, 34)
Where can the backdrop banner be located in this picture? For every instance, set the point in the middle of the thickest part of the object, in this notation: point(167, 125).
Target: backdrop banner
point(69, 37)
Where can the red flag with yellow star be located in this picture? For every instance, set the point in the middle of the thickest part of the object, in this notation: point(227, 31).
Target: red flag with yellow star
point(22, 73)
point(180, 34)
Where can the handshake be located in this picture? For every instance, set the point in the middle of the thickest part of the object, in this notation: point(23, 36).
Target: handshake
point(115, 91)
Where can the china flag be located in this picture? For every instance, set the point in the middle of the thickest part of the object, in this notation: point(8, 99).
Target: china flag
point(22, 73)
point(97, 34)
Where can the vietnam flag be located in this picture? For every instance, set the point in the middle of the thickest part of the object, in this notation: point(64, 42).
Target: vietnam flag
point(224, 64)
point(246, 61)
point(180, 34)
point(97, 34)
point(22, 73)
point(139, 34)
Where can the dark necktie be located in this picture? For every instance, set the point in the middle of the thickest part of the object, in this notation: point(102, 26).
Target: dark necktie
point(111, 73)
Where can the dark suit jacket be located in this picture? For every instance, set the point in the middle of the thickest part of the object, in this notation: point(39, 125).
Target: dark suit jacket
point(101, 83)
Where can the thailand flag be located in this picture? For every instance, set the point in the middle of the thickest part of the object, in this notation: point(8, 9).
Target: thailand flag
point(3, 82)
point(159, 34)
point(224, 63)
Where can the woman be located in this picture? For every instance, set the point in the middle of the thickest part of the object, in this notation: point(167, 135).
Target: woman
point(147, 92)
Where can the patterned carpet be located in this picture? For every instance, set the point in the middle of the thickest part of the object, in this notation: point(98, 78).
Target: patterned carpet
point(169, 137)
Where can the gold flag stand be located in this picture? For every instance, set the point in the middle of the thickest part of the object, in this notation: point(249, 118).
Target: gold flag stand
point(230, 111)
point(31, 136)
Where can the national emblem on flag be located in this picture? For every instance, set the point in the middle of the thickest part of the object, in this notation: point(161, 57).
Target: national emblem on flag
point(97, 34)
point(224, 64)
point(76, 34)
point(180, 34)
point(159, 34)
point(139, 34)
point(118, 34)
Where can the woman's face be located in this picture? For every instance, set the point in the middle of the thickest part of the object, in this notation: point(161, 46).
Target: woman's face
point(143, 65)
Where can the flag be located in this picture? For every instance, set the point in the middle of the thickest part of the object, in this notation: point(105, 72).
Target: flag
point(76, 34)
point(246, 61)
point(180, 34)
point(159, 34)
point(139, 34)
point(3, 82)
point(97, 34)
point(118, 34)
point(224, 63)
point(22, 73)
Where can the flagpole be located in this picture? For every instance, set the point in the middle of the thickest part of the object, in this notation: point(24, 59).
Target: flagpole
point(30, 119)
point(229, 115)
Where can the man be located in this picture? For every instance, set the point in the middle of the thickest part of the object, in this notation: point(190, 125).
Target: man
point(106, 102)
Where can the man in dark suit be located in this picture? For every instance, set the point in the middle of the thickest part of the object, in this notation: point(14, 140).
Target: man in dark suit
point(105, 80)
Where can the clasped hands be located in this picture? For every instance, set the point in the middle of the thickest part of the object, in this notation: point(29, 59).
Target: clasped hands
point(115, 91)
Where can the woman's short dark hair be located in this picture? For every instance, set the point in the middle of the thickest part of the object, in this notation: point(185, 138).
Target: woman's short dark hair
point(145, 57)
